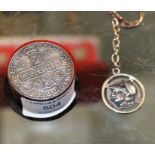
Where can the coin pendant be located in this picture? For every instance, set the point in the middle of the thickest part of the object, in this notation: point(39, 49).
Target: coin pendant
point(123, 93)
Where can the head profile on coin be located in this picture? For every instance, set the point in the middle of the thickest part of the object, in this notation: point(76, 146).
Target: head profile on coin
point(123, 93)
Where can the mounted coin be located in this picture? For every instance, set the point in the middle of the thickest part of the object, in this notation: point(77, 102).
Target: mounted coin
point(42, 79)
point(123, 93)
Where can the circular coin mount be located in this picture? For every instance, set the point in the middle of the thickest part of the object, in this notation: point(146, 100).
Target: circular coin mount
point(123, 93)
point(42, 82)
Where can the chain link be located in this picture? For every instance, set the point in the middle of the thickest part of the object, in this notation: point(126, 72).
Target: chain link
point(116, 46)
point(117, 22)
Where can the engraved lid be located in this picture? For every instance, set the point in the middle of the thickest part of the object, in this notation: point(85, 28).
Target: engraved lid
point(41, 70)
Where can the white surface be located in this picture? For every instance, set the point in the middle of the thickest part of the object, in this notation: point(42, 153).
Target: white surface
point(36, 109)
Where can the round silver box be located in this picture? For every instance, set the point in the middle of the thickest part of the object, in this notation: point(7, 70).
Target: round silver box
point(41, 80)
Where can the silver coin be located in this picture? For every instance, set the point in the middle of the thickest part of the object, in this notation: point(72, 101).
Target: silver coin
point(41, 70)
point(123, 93)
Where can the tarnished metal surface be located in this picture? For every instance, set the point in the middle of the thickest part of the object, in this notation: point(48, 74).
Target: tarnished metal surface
point(41, 70)
point(123, 93)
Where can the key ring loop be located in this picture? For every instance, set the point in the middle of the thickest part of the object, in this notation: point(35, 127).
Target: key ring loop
point(128, 24)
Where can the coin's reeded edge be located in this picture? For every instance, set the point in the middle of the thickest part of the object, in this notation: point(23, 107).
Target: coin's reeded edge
point(116, 110)
point(46, 41)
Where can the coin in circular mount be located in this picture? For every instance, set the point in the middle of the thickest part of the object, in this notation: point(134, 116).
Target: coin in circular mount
point(123, 93)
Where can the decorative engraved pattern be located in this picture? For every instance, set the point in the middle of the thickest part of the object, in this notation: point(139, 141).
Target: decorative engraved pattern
point(41, 70)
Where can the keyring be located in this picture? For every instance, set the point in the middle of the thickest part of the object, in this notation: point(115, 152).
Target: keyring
point(126, 23)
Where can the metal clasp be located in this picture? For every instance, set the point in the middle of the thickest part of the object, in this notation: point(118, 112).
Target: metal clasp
point(128, 24)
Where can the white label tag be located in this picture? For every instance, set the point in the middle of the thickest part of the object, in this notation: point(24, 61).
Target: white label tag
point(45, 109)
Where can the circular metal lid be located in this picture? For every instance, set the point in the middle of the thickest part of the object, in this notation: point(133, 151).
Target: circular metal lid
point(41, 70)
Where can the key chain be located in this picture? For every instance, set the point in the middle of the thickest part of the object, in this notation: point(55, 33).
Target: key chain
point(121, 92)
